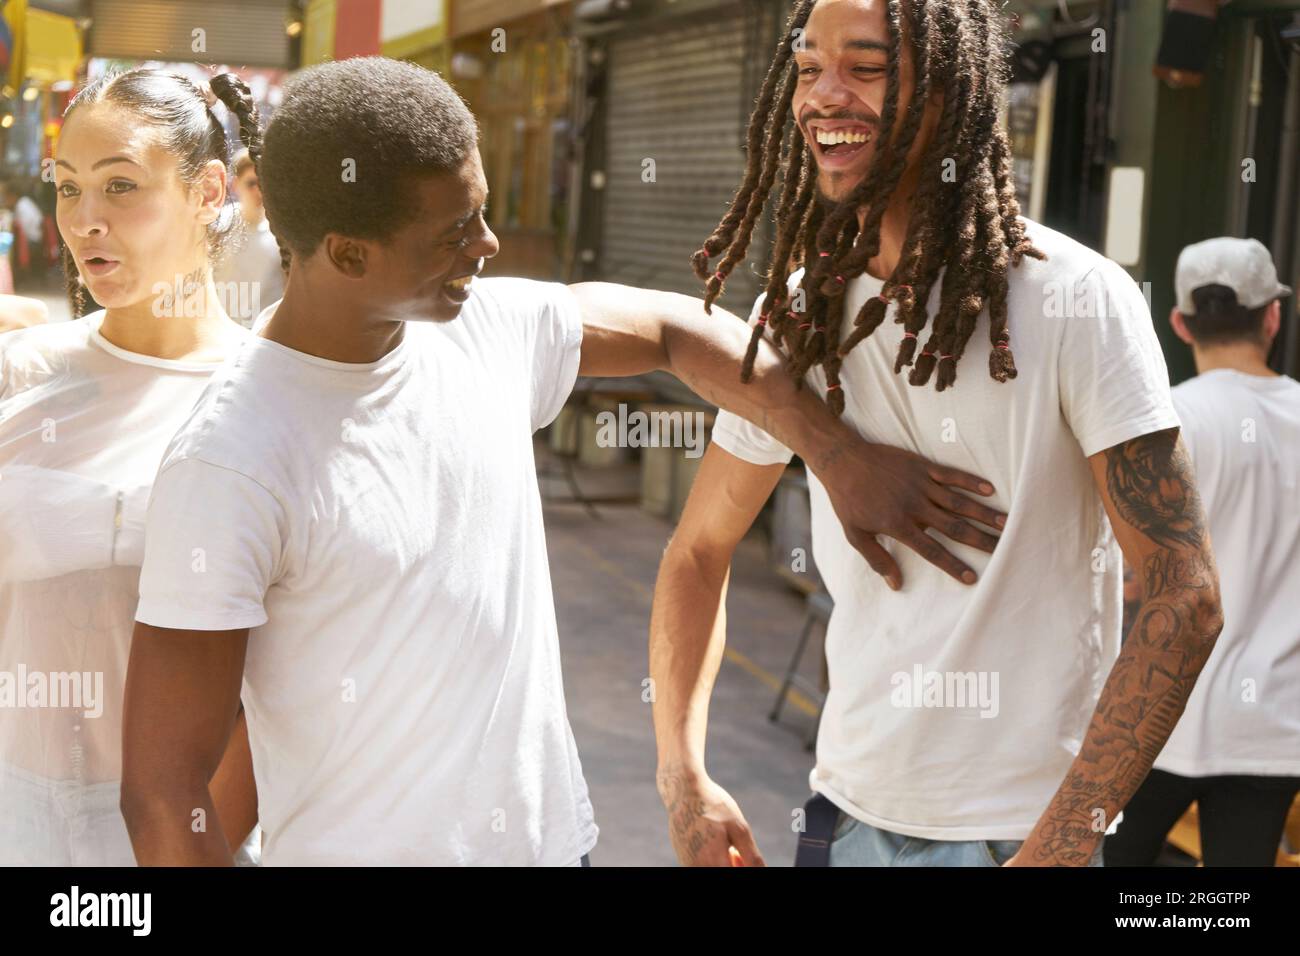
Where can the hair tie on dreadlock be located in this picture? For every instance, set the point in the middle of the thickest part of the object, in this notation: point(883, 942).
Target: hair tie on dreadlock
point(920, 373)
point(822, 255)
point(1001, 364)
point(840, 279)
point(762, 319)
point(906, 349)
point(882, 297)
point(805, 325)
point(831, 388)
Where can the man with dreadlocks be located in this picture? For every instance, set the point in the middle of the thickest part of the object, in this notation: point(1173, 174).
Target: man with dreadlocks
point(963, 726)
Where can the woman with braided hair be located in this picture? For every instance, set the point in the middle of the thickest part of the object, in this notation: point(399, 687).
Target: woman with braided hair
point(954, 713)
point(86, 410)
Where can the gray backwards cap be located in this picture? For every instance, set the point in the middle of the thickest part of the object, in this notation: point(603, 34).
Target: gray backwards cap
point(1243, 265)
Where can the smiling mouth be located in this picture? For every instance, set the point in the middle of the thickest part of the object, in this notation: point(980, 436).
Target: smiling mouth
point(459, 285)
point(841, 143)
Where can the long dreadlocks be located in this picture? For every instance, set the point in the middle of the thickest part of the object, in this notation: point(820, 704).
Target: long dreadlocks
point(963, 218)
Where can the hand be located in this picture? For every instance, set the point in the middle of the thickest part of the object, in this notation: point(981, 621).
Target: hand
point(1035, 853)
point(705, 825)
point(879, 489)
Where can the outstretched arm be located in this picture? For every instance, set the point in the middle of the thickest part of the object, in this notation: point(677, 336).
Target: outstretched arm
point(875, 489)
point(1149, 491)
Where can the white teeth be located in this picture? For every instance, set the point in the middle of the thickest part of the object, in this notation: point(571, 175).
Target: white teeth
point(834, 138)
point(460, 284)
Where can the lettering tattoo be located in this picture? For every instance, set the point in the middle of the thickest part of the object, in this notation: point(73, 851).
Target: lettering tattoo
point(687, 824)
point(1152, 488)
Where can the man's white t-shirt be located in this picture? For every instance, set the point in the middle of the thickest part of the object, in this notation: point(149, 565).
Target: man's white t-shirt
point(1243, 435)
point(379, 528)
point(1027, 648)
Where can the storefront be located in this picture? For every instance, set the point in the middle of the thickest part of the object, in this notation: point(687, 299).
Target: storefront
point(1138, 138)
point(1058, 109)
point(243, 32)
point(512, 62)
point(672, 87)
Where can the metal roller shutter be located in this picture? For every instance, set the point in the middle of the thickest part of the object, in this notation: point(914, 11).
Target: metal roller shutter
point(679, 95)
point(235, 32)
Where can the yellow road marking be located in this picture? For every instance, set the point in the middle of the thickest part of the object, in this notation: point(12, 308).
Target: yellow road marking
point(794, 698)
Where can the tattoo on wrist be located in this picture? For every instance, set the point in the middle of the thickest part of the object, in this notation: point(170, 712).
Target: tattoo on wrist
point(685, 812)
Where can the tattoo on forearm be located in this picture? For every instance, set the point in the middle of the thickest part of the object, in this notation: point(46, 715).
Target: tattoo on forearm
point(1151, 484)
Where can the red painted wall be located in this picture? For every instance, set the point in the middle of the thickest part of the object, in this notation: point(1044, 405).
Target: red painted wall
point(356, 28)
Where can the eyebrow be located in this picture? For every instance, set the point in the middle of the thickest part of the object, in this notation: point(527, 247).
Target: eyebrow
point(872, 45)
point(103, 162)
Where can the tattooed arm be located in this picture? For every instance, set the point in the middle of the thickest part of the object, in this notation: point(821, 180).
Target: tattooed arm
point(1149, 491)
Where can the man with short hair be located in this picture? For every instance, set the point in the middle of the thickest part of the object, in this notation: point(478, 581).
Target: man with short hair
point(1236, 750)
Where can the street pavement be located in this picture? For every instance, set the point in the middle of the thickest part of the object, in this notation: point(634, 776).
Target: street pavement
point(603, 572)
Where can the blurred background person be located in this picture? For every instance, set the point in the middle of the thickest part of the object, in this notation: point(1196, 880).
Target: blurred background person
point(1236, 750)
point(28, 252)
point(250, 277)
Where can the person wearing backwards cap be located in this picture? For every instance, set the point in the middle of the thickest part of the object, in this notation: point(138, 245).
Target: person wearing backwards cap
point(1236, 750)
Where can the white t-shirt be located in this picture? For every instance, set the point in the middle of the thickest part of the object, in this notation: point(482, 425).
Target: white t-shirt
point(379, 528)
point(83, 427)
point(250, 278)
point(29, 218)
point(1043, 621)
point(1243, 435)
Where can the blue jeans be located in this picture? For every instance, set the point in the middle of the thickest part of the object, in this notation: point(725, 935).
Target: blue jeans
point(860, 844)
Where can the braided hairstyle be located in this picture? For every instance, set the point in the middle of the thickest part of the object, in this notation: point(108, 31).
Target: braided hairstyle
point(190, 131)
point(964, 224)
